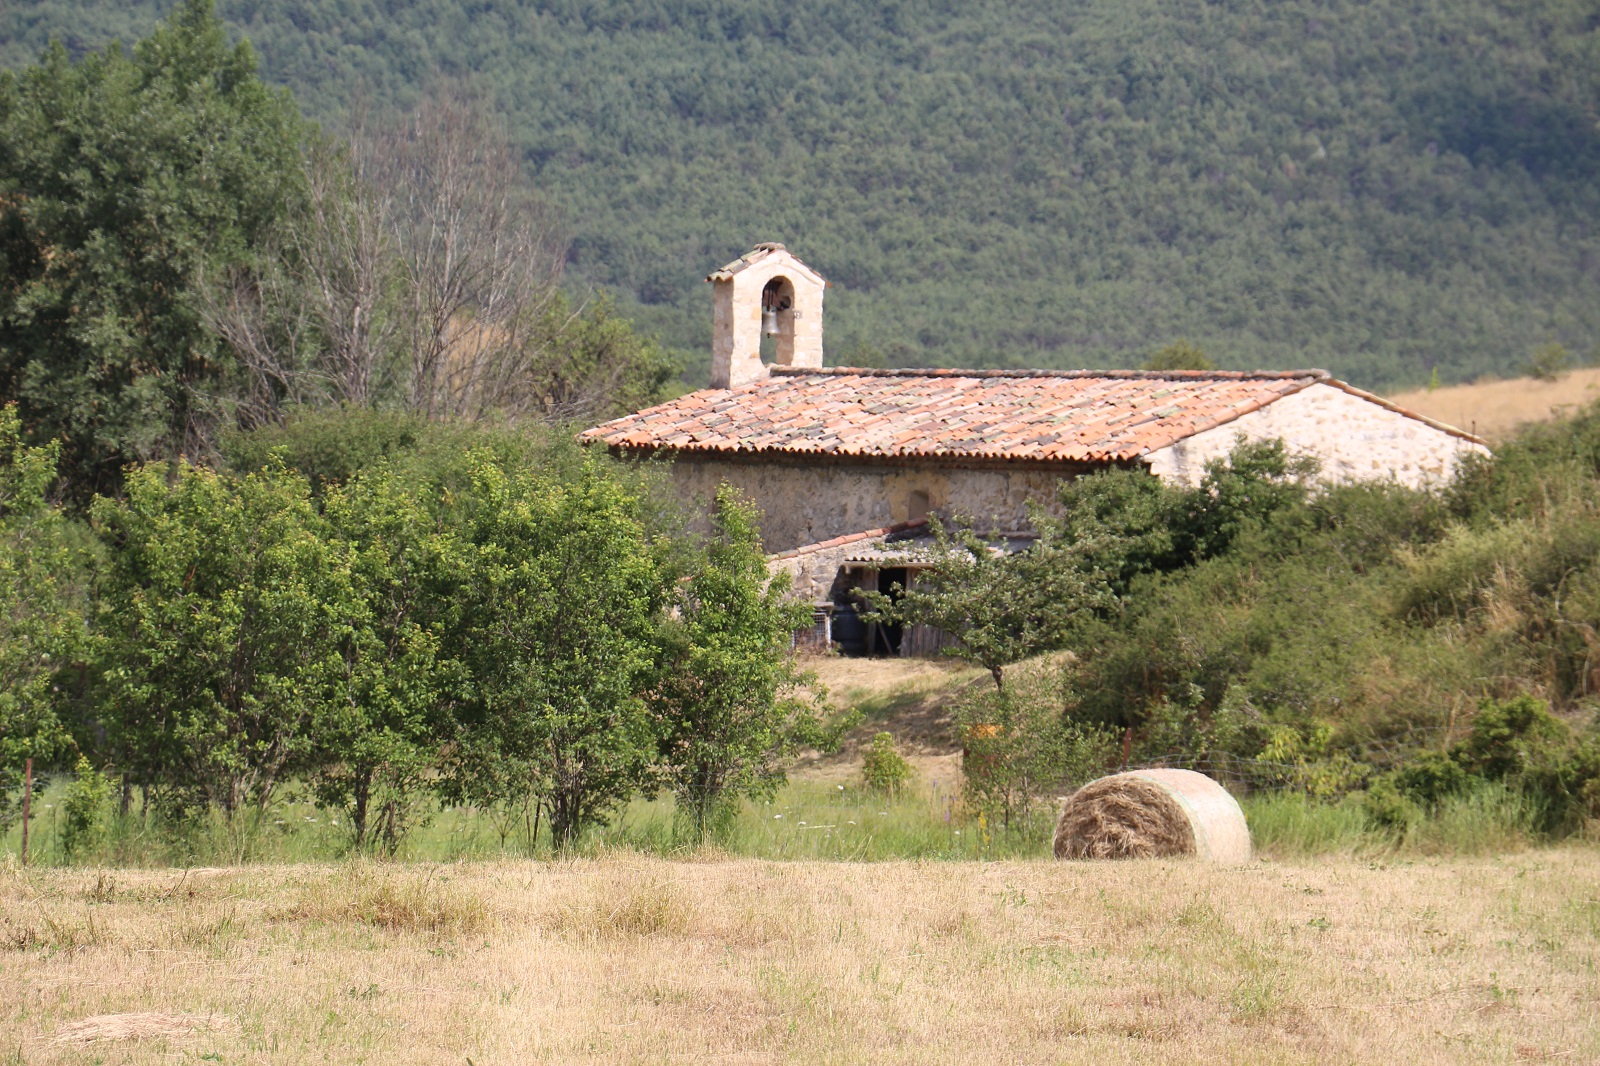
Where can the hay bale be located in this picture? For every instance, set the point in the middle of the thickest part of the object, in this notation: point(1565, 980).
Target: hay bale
point(1146, 814)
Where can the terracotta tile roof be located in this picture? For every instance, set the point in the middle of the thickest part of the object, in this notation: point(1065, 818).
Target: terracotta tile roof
point(1026, 415)
point(850, 538)
point(756, 255)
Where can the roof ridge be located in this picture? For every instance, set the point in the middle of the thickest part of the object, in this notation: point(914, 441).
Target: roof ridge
point(1310, 374)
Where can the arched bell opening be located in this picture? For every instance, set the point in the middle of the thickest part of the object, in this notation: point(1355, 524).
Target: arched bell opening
point(777, 321)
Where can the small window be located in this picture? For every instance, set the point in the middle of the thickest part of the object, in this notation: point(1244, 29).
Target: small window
point(917, 506)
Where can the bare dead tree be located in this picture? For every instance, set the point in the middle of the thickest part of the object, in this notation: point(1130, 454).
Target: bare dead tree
point(260, 316)
point(346, 249)
point(481, 258)
point(310, 323)
point(422, 269)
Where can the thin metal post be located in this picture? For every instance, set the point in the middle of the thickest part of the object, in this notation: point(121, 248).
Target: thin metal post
point(27, 803)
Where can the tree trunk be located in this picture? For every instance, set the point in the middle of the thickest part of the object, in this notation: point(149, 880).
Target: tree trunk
point(566, 808)
point(362, 793)
point(391, 838)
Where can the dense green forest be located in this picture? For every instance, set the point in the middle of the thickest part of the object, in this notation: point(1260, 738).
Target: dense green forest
point(1377, 188)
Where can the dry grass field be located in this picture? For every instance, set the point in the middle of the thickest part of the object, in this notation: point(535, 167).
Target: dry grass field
point(626, 959)
point(1496, 408)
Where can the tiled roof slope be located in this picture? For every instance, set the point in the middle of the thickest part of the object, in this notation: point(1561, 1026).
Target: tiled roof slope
point(851, 538)
point(1023, 415)
point(755, 255)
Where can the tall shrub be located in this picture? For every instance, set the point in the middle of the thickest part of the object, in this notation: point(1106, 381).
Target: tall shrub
point(376, 733)
point(730, 701)
point(219, 614)
point(560, 615)
point(41, 609)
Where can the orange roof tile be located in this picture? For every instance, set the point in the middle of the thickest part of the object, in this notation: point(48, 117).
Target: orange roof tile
point(850, 538)
point(756, 255)
point(1025, 415)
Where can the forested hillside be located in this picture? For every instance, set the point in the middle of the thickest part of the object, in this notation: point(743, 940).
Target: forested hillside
point(1377, 188)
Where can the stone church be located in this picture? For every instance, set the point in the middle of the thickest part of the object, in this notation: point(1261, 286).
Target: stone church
point(847, 463)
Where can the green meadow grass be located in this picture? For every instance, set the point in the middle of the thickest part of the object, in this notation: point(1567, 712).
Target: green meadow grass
point(805, 820)
point(1487, 818)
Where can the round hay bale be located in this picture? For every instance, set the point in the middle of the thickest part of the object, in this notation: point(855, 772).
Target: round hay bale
point(1147, 814)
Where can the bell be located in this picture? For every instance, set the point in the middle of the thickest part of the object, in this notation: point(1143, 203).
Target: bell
point(769, 322)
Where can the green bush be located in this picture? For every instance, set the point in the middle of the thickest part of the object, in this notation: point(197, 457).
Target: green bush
point(883, 768)
point(1429, 777)
point(1568, 786)
point(1020, 747)
point(327, 447)
point(84, 808)
point(1389, 811)
point(1510, 737)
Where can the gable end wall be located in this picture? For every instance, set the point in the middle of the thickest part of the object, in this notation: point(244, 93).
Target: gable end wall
point(1355, 439)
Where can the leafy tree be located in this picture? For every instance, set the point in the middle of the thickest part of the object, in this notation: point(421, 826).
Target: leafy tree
point(1245, 489)
point(560, 616)
point(1123, 522)
point(1179, 355)
point(219, 615)
point(41, 608)
point(1550, 362)
point(1019, 744)
point(1004, 606)
point(1127, 523)
point(730, 699)
point(594, 364)
point(123, 176)
point(376, 734)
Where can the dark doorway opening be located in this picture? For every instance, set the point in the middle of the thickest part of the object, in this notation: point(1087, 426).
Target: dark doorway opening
point(886, 637)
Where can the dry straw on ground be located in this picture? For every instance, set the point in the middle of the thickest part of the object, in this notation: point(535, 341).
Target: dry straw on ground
point(140, 1026)
point(1149, 814)
point(628, 959)
point(1495, 409)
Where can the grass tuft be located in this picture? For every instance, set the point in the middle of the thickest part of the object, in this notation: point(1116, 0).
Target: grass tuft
point(642, 909)
point(394, 899)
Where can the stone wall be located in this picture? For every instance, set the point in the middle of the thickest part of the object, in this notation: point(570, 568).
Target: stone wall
point(1354, 438)
point(812, 573)
point(736, 319)
point(806, 501)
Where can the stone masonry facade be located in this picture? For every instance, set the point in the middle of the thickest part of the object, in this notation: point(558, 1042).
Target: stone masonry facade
point(1355, 436)
point(808, 501)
